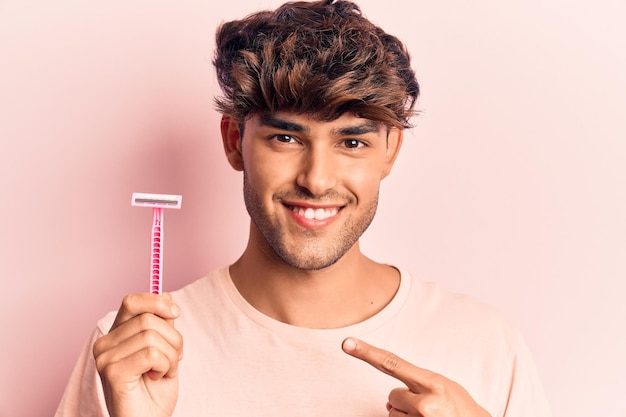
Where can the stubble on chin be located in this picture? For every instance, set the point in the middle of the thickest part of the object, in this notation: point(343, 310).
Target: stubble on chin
point(314, 252)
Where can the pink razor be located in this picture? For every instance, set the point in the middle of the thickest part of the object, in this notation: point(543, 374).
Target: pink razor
point(158, 202)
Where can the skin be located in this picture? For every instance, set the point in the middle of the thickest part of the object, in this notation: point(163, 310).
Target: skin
point(427, 394)
point(311, 189)
point(280, 148)
point(138, 359)
point(305, 271)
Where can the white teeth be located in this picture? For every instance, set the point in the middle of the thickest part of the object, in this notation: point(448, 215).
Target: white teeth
point(317, 214)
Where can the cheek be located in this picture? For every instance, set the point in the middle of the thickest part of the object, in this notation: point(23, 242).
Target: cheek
point(363, 181)
point(273, 166)
point(265, 175)
point(372, 168)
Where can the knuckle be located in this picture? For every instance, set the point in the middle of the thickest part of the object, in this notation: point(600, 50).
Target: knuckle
point(178, 343)
point(100, 345)
point(438, 384)
point(128, 300)
point(145, 320)
point(102, 364)
point(429, 406)
point(149, 337)
point(152, 354)
point(96, 348)
point(390, 363)
point(110, 372)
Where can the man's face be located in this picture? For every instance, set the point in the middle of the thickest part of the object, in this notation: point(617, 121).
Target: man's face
point(310, 187)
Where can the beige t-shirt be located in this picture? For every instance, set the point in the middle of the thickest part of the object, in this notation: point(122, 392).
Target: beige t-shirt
point(239, 362)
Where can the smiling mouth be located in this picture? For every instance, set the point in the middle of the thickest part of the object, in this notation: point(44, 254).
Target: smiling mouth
point(310, 213)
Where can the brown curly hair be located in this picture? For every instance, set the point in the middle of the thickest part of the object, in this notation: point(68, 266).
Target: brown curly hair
point(321, 58)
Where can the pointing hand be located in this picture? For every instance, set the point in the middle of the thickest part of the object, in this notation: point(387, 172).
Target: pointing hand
point(427, 394)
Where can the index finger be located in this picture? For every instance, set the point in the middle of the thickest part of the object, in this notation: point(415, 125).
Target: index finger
point(418, 380)
point(134, 304)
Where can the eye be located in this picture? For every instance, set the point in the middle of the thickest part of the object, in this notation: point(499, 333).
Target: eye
point(284, 138)
point(353, 143)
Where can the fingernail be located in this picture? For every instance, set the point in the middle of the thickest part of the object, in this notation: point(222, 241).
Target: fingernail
point(349, 345)
point(175, 310)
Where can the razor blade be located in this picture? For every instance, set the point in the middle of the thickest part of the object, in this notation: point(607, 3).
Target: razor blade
point(157, 200)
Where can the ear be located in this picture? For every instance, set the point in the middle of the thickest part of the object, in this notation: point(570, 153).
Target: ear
point(394, 143)
point(231, 139)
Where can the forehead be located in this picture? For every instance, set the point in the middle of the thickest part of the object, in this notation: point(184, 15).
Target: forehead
point(347, 124)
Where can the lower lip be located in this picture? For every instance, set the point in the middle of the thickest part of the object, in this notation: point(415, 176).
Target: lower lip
point(312, 223)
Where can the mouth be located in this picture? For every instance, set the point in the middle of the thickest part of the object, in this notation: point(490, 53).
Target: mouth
point(314, 213)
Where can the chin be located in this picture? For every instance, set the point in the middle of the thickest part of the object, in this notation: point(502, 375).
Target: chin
point(309, 263)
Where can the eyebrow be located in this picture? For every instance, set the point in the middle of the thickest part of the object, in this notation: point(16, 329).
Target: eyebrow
point(369, 126)
point(271, 120)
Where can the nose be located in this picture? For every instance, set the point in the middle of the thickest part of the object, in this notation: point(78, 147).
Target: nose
point(318, 172)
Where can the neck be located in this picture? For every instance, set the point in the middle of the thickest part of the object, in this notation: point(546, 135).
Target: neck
point(347, 292)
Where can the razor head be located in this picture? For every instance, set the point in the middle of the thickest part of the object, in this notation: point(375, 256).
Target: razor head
point(157, 200)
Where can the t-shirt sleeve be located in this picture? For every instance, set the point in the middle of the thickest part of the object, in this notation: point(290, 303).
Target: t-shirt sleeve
point(83, 396)
point(526, 395)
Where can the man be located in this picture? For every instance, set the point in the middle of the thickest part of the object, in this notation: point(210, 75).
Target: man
point(315, 101)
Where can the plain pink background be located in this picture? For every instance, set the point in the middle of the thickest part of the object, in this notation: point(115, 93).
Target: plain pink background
point(512, 187)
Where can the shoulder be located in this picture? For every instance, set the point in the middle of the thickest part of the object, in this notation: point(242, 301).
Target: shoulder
point(432, 305)
point(434, 296)
point(202, 287)
point(470, 342)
